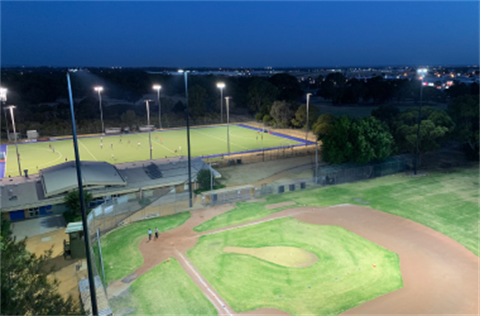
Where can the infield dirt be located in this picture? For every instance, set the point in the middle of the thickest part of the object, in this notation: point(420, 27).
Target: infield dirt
point(440, 276)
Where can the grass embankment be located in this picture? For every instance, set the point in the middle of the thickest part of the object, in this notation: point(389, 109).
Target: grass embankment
point(447, 203)
point(121, 255)
point(164, 290)
point(342, 278)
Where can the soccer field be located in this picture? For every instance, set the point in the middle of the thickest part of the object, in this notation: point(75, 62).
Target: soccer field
point(135, 147)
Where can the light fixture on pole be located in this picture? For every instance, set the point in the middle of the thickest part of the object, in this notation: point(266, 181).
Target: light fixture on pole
point(11, 107)
point(422, 72)
point(149, 130)
point(3, 100)
point(158, 87)
point(99, 89)
point(228, 124)
point(188, 138)
point(91, 281)
point(3, 96)
point(306, 126)
point(221, 85)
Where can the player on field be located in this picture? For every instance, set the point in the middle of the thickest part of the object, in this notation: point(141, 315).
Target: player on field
point(101, 145)
point(138, 145)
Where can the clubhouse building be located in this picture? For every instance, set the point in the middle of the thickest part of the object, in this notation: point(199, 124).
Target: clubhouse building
point(44, 193)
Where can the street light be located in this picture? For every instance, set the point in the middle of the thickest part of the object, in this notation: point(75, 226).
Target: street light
point(306, 129)
point(422, 72)
point(188, 138)
point(99, 89)
point(148, 126)
point(3, 96)
point(228, 124)
point(158, 87)
point(221, 85)
point(11, 107)
point(91, 281)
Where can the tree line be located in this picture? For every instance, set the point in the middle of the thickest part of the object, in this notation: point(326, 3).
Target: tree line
point(389, 131)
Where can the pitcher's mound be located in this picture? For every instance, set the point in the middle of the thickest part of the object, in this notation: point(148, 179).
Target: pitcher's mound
point(284, 256)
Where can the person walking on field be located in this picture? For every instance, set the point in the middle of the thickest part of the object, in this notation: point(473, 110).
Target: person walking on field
point(156, 232)
point(149, 234)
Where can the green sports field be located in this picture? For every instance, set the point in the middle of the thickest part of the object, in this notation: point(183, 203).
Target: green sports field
point(342, 278)
point(125, 148)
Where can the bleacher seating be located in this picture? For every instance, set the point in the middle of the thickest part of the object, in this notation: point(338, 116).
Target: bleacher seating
point(153, 172)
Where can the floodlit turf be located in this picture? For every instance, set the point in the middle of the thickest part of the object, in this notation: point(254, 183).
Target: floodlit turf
point(121, 255)
point(204, 142)
point(447, 203)
point(164, 290)
point(338, 281)
point(244, 212)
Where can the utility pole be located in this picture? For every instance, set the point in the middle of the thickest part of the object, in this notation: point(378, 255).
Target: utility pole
point(91, 280)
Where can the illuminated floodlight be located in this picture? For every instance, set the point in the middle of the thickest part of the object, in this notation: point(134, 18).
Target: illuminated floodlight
point(3, 94)
point(98, 89)
point(157, 87)
point(180, 70)
point(221, 85)
point(422, 71)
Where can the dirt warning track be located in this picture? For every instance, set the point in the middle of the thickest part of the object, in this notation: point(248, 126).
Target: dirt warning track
point(440, 276)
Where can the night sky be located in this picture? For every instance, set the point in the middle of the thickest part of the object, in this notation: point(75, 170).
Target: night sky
point(239, 34)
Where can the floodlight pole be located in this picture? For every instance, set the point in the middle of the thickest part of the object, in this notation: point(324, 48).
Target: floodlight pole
point(148, 126)
point(422, 72)
point(11, 107)
point(188, 142)
point(157, 87)
point(99, 90)
point(91, 281)
point(221, 85)
point(306, 127)
point(228, 124)
point(3, 98)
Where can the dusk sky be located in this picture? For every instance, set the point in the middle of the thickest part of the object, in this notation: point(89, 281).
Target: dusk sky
point(239, 34)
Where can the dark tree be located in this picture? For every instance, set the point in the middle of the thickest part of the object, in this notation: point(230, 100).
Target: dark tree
point(25, 286)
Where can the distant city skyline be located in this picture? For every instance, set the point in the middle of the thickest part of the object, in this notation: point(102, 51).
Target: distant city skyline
point(239, 34)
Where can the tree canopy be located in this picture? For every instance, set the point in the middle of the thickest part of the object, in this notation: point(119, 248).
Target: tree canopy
point(464, 111)
point(25, 286)
point(356, 140)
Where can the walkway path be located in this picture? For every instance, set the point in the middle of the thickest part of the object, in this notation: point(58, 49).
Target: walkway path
point(440, 276)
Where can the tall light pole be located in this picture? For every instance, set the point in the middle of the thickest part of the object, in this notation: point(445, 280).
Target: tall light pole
point(158, 87)
point(148, 125)
point(188, 139)
point(99, 90)
point(422, 72)
point(91, 281)
point(11, 107)
point(221, 85)
point(306, 126)
point(3, 99)
point(228, 124)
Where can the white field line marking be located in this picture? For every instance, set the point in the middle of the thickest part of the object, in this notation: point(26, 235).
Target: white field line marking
point(220, 139)
point(240, 226)
point(6, 155)
point(161, 145)
point(50, 163)
point(87, 150)
point(204, 284)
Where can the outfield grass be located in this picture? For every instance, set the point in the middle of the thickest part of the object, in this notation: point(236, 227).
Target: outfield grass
point(243, 212)
point(164, 290)
point(341, 279)
point(204, 142)
point(447, 203)
point(121, 255)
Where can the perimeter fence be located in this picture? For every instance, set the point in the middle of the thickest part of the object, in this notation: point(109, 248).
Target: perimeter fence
point(144, 205)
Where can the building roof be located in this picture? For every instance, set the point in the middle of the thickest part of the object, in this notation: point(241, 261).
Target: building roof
point(63, 178)
point(74, 227)
point(20, 193)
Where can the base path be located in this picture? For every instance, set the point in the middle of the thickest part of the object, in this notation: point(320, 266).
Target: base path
point(440, 276)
